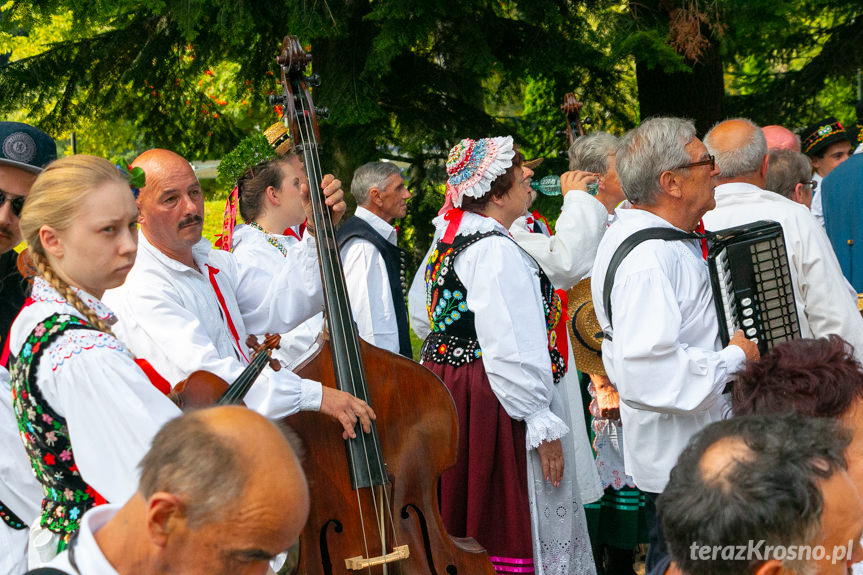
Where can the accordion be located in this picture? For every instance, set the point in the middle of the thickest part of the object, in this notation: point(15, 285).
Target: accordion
point(751, 284)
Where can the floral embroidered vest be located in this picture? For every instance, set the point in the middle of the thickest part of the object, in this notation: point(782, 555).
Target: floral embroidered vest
point(46, 437)
point(453, 337)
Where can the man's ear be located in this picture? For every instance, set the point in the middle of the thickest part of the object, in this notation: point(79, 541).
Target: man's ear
point(797, 195)
point(669, 181)
point(762, 172)
point(375, 197)
point(50, 241)
point(165, 512)
point(772, 567)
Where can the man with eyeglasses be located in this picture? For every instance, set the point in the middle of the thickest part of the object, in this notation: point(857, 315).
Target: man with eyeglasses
point(826, 303)
point(23, 151)
point(661, 345)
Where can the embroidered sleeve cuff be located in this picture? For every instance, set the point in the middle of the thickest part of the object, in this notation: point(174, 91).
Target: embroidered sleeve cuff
point(310, 395)
point(544, 426)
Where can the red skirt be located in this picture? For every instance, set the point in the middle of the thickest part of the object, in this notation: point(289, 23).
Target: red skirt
point(485, 495)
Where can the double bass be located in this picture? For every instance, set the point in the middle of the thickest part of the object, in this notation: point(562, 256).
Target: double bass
point(374, 499)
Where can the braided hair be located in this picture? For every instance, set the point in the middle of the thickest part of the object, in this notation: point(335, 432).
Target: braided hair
point(53, 201)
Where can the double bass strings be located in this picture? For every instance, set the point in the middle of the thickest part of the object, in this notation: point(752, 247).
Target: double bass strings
point(325, 228)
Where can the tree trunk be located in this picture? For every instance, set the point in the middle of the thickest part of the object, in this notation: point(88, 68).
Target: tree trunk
point(698, 95)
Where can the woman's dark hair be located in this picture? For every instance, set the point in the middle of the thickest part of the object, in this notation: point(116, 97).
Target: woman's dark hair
point(499, 187)
point(254, 183)
point(813, 377)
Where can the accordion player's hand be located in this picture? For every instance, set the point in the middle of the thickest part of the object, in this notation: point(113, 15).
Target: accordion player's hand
point(749, 348)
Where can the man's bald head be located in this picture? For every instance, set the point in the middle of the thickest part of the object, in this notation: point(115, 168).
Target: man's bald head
point(781, 138)
point(171, 204)
point(740, 150)
point(224, 454)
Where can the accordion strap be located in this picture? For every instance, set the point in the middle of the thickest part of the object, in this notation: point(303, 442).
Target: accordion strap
point(629, 244)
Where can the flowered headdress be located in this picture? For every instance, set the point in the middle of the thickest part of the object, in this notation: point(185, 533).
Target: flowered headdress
point(473, 165)
point(257, 148)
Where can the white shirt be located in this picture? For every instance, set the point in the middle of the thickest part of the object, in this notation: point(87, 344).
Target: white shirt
point(664, 355)
point(369, 285)
point(88, 557)
point(817, 208)
point(510, 324)
point(255, 255)
point(567, 256)
point(825, 304)
point(170, 314)
point(19, 489)
point(111, 409)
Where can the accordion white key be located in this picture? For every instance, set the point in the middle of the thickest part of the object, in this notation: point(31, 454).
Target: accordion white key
point(752, 286)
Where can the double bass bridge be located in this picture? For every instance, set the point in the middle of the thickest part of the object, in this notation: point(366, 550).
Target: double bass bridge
point(359, 563)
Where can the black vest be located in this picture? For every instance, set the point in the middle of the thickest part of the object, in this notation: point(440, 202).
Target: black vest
point(394, 259)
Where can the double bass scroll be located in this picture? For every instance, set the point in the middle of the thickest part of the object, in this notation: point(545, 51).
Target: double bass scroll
point(374, 502)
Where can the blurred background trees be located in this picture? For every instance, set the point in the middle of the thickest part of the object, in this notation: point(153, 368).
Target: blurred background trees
point(406, 79)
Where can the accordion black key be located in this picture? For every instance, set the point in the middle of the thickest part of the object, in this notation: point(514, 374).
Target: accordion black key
point(751, 284)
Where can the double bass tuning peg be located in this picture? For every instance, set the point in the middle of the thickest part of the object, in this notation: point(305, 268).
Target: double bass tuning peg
point(277, 99)
point(313, 80)
point(323, 113)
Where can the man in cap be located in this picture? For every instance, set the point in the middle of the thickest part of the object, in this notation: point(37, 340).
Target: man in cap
point(24, 150)
point(826, 143)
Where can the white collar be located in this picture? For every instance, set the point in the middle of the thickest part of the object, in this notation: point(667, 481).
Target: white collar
point(378, 224)
point(470, 223)
point(45, 292)
point(737, 188)
point(88, 556)
point(200, 252)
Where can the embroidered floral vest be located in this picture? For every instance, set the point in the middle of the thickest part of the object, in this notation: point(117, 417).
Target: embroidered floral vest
point(45, 435)
point(453, 337)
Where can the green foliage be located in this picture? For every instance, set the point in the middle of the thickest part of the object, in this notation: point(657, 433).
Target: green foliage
point(250, 152)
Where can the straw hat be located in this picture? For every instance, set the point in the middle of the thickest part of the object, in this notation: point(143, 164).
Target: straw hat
point(279, 138)
point(584, 330)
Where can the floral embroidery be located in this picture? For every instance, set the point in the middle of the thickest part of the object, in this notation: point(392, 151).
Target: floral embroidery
point(453, 338)
point(44, 432)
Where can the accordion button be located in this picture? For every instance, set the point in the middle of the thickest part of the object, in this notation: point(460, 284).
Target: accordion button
point(747, 312)
point(746, 302)
point(748, 322)
point(751, 331)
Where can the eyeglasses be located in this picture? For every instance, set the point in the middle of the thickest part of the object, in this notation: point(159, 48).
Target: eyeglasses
point(813, 184)
point(710, 161)
point(15, 202)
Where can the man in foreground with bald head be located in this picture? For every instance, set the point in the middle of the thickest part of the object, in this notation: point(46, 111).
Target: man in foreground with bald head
point(763, 495)
point(221, 492)
point(826, 304)
point(186, 307)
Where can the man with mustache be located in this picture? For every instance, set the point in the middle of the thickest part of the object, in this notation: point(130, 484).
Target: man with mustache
point(185, 307)
point(23, 151)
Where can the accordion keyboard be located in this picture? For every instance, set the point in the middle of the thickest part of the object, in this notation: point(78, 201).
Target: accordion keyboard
point(752, 285)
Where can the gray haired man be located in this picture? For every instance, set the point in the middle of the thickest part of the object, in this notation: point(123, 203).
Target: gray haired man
point(662, 348)
point(789, 174)
point(374, 264)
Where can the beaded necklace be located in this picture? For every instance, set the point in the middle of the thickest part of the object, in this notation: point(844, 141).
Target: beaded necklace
point(270, 238)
